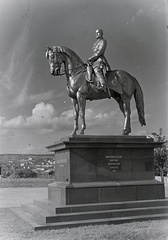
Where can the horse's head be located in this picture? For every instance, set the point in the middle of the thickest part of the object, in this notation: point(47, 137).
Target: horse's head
point(55, 60)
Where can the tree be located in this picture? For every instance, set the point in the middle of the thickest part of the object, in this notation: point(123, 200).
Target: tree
point(160, 154)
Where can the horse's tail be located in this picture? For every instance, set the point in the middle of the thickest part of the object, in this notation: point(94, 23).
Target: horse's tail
point(139, 100)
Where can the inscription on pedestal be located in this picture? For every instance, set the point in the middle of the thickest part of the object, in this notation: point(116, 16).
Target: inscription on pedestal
point(61, 162)
point(114, 163)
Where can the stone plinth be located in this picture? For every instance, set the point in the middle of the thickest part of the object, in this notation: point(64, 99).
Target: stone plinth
point(97, 169)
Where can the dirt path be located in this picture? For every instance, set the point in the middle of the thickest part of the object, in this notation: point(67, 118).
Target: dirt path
point(14, 197)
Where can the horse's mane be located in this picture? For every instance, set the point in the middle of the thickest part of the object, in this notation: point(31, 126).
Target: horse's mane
point(71, 53)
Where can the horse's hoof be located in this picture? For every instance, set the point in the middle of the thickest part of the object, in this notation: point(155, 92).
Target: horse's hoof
point(125, 132)
point(73, 134)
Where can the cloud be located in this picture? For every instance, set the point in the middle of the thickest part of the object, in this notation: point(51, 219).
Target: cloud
point(141, 133)
point(7, 133)
point(13, 70)
point(22, 96)
point(153, 11)
point(137, 15)
point(33, 149)
point(99, 116)
point(45, 96)
point(24, 99)
point(13, 123)
point(45, 119)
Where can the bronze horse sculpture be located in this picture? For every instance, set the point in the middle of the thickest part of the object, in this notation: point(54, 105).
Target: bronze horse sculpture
point(120, 84)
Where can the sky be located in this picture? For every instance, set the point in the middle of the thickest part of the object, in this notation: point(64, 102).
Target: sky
point(35, 110)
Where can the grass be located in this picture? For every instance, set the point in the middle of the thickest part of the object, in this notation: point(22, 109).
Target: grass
point(13, 228)
point(24, 182)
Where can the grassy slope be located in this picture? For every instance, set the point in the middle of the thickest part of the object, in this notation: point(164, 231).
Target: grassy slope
point(13, 228)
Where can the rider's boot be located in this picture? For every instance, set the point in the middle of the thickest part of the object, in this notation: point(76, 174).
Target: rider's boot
point(89, 73)
point(101, 79)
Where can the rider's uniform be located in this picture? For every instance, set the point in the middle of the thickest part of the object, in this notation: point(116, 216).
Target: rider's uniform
point(99, 60)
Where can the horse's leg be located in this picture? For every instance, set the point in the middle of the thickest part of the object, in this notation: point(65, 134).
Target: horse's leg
point(82, 105)
point(76, 115)
point(127, 113)
point(121, 104)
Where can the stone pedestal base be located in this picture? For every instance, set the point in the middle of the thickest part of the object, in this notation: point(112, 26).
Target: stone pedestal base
point(71, 194)
point(99, 169)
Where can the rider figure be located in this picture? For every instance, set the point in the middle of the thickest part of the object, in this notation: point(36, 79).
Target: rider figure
point(98, 60)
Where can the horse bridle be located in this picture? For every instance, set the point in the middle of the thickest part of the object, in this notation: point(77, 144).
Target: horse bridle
point(66, 72)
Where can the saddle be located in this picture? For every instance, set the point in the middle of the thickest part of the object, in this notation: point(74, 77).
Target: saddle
point(111, 82)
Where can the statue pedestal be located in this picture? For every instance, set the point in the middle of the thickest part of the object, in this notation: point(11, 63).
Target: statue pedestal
point(99, 169)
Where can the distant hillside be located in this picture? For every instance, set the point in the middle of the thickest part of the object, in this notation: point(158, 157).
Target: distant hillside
point(18, 157)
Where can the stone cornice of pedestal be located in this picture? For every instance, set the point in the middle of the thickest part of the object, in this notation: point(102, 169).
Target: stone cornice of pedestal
point(96, 141)
point(107, 183)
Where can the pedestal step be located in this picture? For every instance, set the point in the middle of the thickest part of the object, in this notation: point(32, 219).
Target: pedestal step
point(52, 207)
point(45, 215)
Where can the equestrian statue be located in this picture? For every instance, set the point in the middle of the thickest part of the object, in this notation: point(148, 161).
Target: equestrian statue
point(95, 80)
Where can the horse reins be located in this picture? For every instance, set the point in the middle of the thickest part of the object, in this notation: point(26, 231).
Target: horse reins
point(83, 66)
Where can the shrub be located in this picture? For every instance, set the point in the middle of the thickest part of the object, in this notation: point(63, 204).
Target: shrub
point(26, 173)
point(51, 173)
